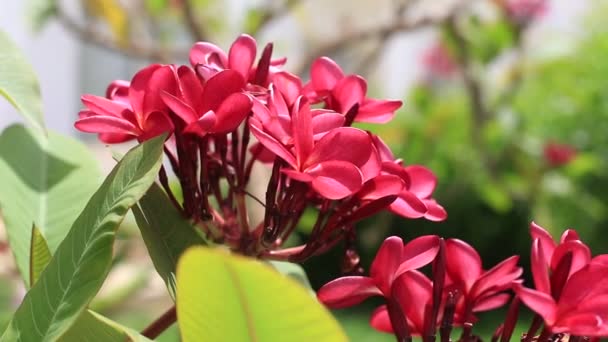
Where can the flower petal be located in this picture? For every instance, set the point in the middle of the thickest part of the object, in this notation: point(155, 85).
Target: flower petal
point(498, 278)
point(539, 302)
point(423, 181)
point(418, 252)
point(377, 111)
point(232, 112)
point(349, 91)
point(289, 85)
point(408, 205)
point(546, 240)
point(581, 255)
point(106, 124)
point(540, 267)
point(271, 143)
point(156, 123)
point(103, 106)
point(381, 186)
point(200, 54)
point(491, 302)
point(385, 264)
point(203, 125)
point(463, 263)
point(219, 87)
point(242, 55)
point(301, 128)
point(335, 179)
point(325, 122)
point(180, 108)
point(347, 291)
point(324, 74)
point(413, 291)
point(380, 320)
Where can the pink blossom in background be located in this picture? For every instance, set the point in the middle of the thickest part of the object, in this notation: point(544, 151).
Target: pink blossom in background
point(557, 154)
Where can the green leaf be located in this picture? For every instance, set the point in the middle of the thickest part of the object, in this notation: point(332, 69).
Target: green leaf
point(93, 327)
point(45, 180)
point(294, 271)
point(83, 259)
point(165, 231)
point(223, 297)
point(40, 255)
point(18, 83)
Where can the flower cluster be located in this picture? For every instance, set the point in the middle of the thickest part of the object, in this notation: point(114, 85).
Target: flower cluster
point(570, 296)
point(210, 110)
point(415, 304)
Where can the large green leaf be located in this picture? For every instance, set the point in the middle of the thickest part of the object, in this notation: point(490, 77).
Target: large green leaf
point(222, 297)
point(44, 180)
point(93, 327)
point(83, 259)
point(18, 83)
point(40, 255)
point(90, 326)
point(165, 231)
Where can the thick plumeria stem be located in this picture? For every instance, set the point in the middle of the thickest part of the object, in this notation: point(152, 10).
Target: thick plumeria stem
point(398, 321)
point(536, 322)
point(448, 316)
point(161, 324)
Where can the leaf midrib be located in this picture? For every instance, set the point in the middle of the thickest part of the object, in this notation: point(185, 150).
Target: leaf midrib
point(242, 298)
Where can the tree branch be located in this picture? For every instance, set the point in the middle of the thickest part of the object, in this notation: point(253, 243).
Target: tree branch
point(133, 49)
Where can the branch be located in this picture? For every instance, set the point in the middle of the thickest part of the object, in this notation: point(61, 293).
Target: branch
point(397, 26)
point(270, 14)
point(133, 49)
point(161, 324)
point(197, 30)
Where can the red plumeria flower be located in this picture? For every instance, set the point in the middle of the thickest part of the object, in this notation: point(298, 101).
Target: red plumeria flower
point(414, 200)
point(547, 255)
point(558, 154)
point(340, 93)
point(438, 61)
point(336, 166)
point(218, 106)
point(133, 111)
point(392, 260)
point(416, 291)
point(526, 9)
point(582, 307)
point(478, 290)
point(209, 59)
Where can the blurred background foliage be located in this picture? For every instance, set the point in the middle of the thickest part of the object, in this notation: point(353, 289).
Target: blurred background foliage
point(514, 132)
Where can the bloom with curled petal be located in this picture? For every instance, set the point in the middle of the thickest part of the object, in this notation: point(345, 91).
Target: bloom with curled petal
point(413, 289)
point(336, 166)
point(392, 260)
point(341, 92)
point(582, 307)
point(132, 110)
point(208, 59)
point(414, 200)
point(558, 154)
point(218, 106)
point(546, 255)
point(478, 290)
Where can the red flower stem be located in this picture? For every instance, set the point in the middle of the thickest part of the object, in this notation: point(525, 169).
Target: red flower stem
point(282, 254)
point(467, 331)
point(545, 336)
point(254, 155)
point(161, 324)
point(222, 147)
point(511, 321)
point(270, 212)
point(164, 181)
point(448, 316)
point(536, 322)
point(204, 178)
point(439, 270)
point(398, 321)
point(186, 176)
point(243, 153)
point(236, 159)
point(498, 332)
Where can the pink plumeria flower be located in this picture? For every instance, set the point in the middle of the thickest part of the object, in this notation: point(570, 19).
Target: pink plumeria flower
point(133, 111)
point(336, 166)
point(341, 92)
point(218, 106)
point(557, 155)
point(208, 59)
point(582, 307)
point(478, 290)
point(414, 200)
point(392, 260)
point(415, 289)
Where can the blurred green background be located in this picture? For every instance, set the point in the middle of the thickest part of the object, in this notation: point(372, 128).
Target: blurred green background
point(509, 112)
